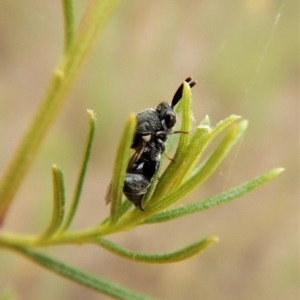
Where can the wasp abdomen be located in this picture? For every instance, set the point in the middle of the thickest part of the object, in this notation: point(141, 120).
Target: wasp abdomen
point(135, 187)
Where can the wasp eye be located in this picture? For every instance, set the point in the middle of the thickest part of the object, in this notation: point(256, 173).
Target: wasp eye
point(170, 119)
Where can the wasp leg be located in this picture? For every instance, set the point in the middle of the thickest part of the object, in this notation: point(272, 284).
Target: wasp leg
point(169, 158)
point(179, 131)
point(163, 149)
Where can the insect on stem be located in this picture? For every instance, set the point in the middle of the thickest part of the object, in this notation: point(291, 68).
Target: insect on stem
point(152, 131)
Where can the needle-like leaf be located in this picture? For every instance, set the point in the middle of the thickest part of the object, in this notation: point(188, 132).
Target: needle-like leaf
point(80, 179)
point(176, 256)
point(207, 203)
point(115, 190)
point(186, 124)
point(58, 203)
point(88, 280)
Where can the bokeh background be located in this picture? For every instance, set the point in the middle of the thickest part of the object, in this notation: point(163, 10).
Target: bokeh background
point(245, 58)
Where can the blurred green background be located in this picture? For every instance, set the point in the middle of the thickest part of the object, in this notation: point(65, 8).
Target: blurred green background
point(245, 58)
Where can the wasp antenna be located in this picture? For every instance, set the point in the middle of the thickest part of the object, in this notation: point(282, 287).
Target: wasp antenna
point(179, 131)
point(188, 79)
point(192, 83)
point(178, 94)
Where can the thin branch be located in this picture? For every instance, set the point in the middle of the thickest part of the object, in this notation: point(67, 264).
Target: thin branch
point(68, 23)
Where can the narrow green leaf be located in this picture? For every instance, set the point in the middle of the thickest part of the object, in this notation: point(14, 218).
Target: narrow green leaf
point(81, 175)
point(204, 170)
point(58, 210)
point(152, 186)
point(68, 22)
point(121, 161)
point(208, 166)
point(176, 256)
point(175, 172)
point(86, 279)
point(212, 134)
point(207, 203)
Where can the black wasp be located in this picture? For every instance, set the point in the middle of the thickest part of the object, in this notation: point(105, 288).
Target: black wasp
point(152, 131)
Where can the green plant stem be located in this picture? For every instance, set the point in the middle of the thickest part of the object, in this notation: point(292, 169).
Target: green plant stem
point(68, 23)
point(63, 76)
point(134, 218)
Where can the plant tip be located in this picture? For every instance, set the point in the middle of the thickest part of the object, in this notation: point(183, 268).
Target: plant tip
point(215, 239)
point(279, 170)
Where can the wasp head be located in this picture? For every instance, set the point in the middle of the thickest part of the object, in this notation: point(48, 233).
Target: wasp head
point(166, 114)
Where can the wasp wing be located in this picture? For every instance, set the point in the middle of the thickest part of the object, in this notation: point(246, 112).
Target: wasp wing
point(135, 155)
